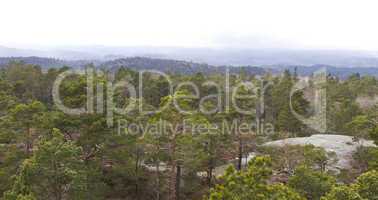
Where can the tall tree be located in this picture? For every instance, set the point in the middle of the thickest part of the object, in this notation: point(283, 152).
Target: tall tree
point(55, 171)
point(310, 183)
point(252, 184)
point(26, 118)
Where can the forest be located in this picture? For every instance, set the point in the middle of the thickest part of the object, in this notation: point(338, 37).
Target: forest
point(111, 150)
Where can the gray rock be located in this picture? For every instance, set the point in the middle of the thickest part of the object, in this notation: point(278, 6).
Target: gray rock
point(343, 146)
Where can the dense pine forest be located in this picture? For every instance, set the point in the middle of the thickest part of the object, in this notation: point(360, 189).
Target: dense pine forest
point(181, 136)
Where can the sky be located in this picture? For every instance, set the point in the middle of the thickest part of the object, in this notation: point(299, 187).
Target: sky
point(319, 24)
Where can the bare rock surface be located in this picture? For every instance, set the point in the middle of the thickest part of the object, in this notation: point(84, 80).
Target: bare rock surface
point(342, 145)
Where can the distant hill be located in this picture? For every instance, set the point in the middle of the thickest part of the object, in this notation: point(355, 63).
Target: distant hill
point(14, 52)
point(46, 62)
point(176, 66)
point(188, 67)
point(135, 63)
point(212, 56)
point(51, 53)
point(341, 72)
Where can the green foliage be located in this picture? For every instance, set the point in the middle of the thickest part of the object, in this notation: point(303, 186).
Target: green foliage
point(251, 184)
point(360, 126)
point(86, 159)
point(366, 158)
point(289, 157)
point(26, 81)
point(341, 105)
point(317, 157)
point(310, 183)
point(11, 158)
point(55, 171)
point(9, 196)
point(282, 113)
point(282, 192)
point(367, 185)
point(342, 193)
point(374, 134)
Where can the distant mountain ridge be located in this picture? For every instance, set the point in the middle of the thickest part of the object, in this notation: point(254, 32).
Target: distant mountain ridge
point(188, 67)
point(225, 56)
point(44, 62)
point(135, 63)
point(178, 66)
point(341, 72)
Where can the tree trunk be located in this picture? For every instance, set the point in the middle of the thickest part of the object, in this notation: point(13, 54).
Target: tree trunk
point(240, 156)
point(178, 181)
point(157, 164)
point(28, 145)
point(172, 182)
point(210, 175)
point(173, 172)
point(157, 180)
point(137, 175)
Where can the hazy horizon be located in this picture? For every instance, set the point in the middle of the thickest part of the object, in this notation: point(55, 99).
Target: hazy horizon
point(293, 24)
point(240, 32)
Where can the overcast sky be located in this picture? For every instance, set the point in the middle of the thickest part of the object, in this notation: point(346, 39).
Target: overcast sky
point(335, 24)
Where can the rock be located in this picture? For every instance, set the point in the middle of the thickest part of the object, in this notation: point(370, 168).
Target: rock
point(342, 145)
